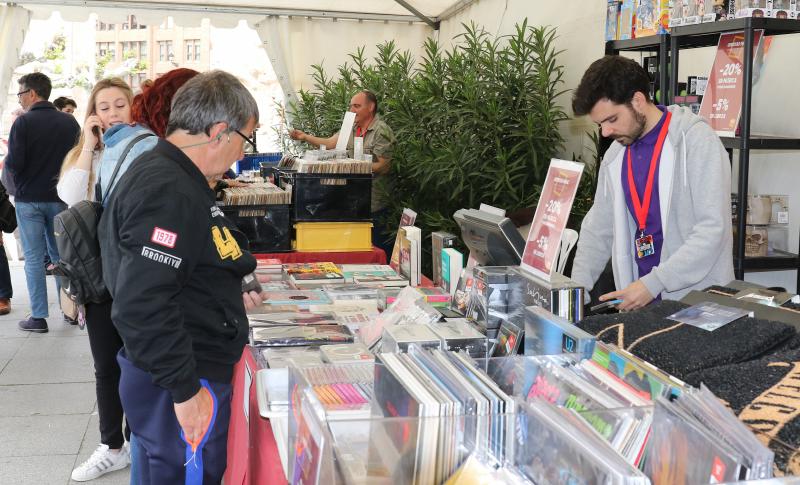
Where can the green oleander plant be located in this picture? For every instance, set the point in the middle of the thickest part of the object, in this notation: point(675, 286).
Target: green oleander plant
point(476, 123)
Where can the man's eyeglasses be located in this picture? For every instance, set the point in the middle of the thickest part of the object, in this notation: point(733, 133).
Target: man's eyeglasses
point(23, 92)
point(247, 140)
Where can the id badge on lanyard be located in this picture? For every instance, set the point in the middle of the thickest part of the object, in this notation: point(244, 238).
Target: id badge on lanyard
point(645, 244)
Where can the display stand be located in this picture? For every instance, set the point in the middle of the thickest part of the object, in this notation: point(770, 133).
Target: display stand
point(707, 35)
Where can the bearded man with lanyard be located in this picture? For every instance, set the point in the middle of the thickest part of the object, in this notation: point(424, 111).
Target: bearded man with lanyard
point(662, 210)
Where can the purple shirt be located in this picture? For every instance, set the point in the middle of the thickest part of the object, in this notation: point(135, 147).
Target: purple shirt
point(641, 156)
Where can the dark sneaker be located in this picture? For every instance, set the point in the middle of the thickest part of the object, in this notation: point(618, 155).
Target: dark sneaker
point(71, 321)
point(38, 325)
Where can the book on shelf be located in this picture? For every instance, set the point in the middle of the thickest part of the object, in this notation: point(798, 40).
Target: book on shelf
point(408, 218)
point(410, 253)
point(452, 266)
point(439, 241)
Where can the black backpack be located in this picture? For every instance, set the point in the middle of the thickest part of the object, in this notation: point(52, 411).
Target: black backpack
point(80, 267)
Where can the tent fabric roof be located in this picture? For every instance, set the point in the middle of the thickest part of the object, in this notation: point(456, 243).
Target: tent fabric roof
point(388, 10)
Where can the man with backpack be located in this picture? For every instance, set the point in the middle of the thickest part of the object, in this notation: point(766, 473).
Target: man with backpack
point(174, 266)
point(37, 144)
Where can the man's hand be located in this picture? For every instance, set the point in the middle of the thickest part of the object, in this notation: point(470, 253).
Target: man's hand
point(297, 135)
point(635, 296)
point(252, 299)
point(194, 416)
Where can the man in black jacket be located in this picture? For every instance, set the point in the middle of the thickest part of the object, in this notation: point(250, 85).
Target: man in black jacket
point(37, 144)
point(174, 266)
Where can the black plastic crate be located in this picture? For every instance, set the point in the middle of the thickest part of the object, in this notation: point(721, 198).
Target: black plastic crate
point(267, 227)
point(329, 197)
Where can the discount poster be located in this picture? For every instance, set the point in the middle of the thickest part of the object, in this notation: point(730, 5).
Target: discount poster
point(722, 101)
point(552, 212)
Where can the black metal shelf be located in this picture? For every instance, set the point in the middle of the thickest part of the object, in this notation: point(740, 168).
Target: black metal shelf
point(650, 43)
point(762, 143)
point(781, 260)
point(707, 34)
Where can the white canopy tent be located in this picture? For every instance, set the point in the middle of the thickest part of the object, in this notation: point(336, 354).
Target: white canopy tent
point(295, 33)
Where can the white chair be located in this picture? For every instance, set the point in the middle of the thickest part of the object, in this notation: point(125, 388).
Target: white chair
point(568, 241)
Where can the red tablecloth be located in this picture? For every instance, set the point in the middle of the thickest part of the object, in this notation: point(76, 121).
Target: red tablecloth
point(376, 256)
point(252, 452)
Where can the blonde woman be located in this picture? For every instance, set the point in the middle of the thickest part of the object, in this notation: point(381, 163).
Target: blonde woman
point(109, 105)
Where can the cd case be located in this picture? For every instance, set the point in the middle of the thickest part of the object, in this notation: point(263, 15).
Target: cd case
point(292, 336)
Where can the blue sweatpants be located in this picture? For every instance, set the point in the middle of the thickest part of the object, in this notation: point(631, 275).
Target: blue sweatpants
point(167, 457)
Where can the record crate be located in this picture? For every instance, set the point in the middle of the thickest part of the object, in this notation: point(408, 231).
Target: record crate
point(328, 197)
point(267, 227)
point(333, 236)
point(254, 161)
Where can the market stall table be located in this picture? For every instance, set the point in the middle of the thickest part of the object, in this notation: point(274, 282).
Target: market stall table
point(252, 451)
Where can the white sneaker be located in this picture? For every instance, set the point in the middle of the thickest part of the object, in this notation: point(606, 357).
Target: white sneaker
point(101, 462)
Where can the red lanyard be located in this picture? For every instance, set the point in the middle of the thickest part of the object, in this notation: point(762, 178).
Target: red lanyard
point(360, 132)
point(640, 209)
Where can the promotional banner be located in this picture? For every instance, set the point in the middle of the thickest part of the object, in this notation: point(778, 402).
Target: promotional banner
point(722, 102)
point(550, 219)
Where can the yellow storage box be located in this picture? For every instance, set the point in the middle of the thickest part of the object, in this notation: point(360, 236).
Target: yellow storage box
point(333, 236)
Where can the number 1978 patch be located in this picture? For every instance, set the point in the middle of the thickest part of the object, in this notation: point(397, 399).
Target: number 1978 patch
point(164, 237)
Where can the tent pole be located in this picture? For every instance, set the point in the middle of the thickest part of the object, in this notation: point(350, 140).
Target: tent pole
point(420, 15)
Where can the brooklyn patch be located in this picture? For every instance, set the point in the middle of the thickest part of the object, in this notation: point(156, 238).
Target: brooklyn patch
point(161, 257)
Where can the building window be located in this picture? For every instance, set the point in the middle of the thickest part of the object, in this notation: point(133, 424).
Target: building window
point(142, 50)
point(133, 23)
point(165, 50)
point(193, 50)
point(104, 48)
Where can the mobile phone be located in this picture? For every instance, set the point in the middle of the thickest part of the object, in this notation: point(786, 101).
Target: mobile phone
point(604, 305)
point(250, 283)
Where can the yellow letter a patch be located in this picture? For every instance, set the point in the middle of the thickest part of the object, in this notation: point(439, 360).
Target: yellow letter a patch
point(227, 247)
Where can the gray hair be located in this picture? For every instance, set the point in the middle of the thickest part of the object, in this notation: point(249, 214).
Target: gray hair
point(209, 98)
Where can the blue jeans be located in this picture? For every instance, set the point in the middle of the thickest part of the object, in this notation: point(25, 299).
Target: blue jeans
point(35, 221)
